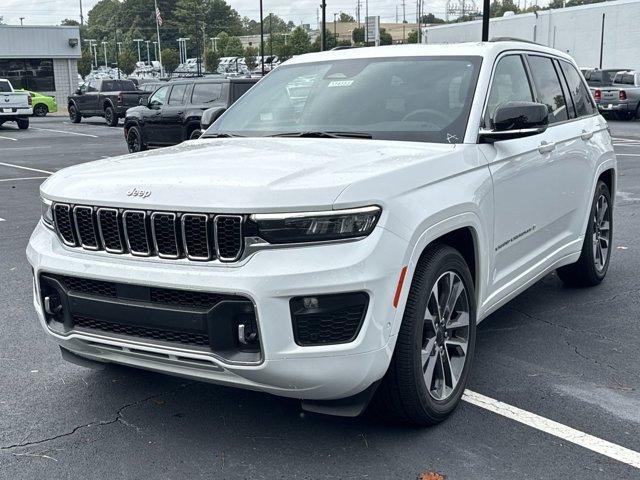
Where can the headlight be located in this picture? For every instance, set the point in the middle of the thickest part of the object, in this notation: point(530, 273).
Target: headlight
point(47, 212)
point(316, 226)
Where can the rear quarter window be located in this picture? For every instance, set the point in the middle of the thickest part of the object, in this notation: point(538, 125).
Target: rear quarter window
point(5, 87)
point(204, 93)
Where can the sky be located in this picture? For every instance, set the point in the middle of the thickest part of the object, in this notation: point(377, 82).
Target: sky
point(38, 12)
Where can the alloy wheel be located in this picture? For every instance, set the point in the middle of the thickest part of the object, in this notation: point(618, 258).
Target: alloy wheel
point(445, 336)
point(601, 233)
point(133, 141)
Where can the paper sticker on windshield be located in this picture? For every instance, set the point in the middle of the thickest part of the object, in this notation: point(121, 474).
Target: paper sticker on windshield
point(341, 83)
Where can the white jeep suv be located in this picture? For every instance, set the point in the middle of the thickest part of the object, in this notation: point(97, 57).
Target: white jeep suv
point(338, 233)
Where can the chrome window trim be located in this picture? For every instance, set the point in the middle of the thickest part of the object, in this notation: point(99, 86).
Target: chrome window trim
point(175, 235)
point(118, 223)
point(215, 238)
point(184, 236)
point(126, 233)
point(93, 223)
point(55, 222)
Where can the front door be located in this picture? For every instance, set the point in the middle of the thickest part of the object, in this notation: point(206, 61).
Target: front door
point(172, 122)
point(530, 209)
point(151, 128)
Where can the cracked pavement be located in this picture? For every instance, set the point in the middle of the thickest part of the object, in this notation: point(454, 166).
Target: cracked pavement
point(570, 355)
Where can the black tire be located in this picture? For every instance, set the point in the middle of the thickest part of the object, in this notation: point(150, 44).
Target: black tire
point(23, 123)
point(587, 272)
point(403, 393)
point(40, 110)
point(637, 114)
point(134, 140)
point(74, 114)
point(195, 134)
point(110, 116)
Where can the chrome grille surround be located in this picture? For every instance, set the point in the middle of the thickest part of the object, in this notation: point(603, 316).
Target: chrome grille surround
point(161, 234)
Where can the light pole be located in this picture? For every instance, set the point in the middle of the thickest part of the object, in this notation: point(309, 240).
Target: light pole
point(335, 34)
point(155, 51)
point(261, 40)
point(21, 19)
point(148, 55)
point(138, 40)
point(214, 43)
point(119, 48)
point(91, 40)
point(104, 45)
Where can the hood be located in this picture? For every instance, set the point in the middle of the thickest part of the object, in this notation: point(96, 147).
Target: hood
point(236, 175)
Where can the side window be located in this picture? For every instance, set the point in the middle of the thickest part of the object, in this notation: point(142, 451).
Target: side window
point(581, 96)
point(158, 98)
point(176, 96)
point(545, 78)
point(510, 83)
point(91, 87)
point(204, 93)
point(240, 89)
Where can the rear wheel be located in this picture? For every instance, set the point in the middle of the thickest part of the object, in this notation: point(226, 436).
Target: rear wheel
point(74, 114)
point(23, 123)
point(637, 115)
point(110, 116)
point(434, 351)
point(592, 266)
point(195, 134)
point(134, 140)
point(40, 110)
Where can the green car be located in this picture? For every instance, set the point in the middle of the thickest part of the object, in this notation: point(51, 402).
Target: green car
point(42, 104)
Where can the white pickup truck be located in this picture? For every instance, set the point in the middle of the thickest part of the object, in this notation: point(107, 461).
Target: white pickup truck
point(14, 106)
point(338, 242)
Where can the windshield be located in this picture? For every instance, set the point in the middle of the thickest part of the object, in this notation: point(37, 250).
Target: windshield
point(425, 99)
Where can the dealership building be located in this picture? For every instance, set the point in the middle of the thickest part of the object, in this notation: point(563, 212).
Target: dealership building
point(605, 35)
point(41, 58)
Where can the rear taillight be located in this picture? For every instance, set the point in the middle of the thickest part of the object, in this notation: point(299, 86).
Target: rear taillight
point(597, 94)
point(622, 95)
point(30, 100)
point(120, 97)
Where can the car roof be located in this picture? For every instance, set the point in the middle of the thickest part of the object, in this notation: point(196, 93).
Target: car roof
point(214, 80)
point(483, 49)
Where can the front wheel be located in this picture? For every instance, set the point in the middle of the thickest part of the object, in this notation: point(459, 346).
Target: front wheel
point(40, 110)
point(592, 266)
point(434, 350)
point(23, 123)
point(110, 117)
point(194, 135)
point(74, 114)
point(134, 140)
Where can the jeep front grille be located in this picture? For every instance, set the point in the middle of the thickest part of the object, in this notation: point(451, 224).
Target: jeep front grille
point(171, 235)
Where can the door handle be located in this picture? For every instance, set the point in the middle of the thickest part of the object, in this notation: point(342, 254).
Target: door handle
point(586, 135)
point(546, 147)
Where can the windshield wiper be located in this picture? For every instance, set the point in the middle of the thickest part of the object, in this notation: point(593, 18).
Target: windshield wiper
point(311, 134)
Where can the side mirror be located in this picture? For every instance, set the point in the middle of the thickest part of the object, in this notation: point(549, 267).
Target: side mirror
point(79, 91)
point(141, 101)
point(209, 116)
point(516, 120)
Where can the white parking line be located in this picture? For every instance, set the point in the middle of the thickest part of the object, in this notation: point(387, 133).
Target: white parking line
point(603, 447)
point(26, 168)
point(69, 133)
point(9, 138)
point(2, 220)
point(20, 178)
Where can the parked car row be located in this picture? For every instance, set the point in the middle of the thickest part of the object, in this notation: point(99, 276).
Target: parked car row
point(616, 91)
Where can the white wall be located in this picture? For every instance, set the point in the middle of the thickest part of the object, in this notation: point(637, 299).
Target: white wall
point(65, 71)
point(575, 30)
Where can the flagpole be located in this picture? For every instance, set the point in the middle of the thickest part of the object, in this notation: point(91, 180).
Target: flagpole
point(158, 32)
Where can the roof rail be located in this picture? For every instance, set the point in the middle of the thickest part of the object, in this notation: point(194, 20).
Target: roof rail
point(512, 39)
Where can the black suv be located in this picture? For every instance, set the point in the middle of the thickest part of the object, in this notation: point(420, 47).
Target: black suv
point(173, 112)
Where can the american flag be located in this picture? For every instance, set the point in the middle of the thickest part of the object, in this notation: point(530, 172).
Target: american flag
point(158, 16)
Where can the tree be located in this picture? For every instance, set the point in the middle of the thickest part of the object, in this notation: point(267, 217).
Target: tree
point(170, 59)
point(430, 18)
point(412, 37)
point(346, 18)
point(499, 7)
point(85, 62)
point(358, 35)
point(223, 40)
point(127, 61)
point(331, 42)
point(385, 37)
point(299, 41)
point(211, 60)
point(1, 20)
point(234, 48)
point(250, 54)
point(68, 22)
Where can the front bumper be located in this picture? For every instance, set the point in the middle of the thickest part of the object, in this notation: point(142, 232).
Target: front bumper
point(270, 279)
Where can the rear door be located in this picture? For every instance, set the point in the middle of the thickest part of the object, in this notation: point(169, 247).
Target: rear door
point(530, 217)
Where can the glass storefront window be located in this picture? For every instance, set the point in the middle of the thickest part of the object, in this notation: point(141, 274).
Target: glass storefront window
point(34, 74)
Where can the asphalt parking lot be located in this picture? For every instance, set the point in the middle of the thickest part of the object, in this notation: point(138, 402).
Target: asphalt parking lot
point(565, 355)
